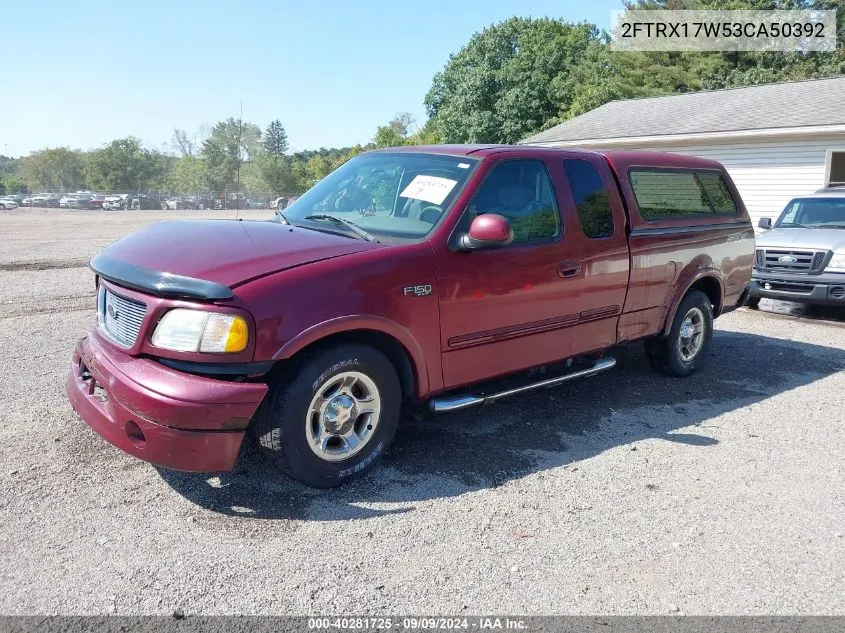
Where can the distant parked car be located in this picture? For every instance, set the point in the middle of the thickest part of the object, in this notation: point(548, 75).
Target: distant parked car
point(6, 204)
point(200, 202)
point(112, 203)
point(176, 204)
point(42, 200)
point(147, 202)
point(282, 202)
point(237, 201)
point(96, 202)
point(78, 202)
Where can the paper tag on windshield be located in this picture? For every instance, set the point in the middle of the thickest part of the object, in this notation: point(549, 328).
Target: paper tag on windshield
point(429, 188)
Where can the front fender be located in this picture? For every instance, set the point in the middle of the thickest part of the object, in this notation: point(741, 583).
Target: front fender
point(365, 322)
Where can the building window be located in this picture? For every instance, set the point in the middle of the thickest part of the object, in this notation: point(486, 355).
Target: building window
point(835, 168)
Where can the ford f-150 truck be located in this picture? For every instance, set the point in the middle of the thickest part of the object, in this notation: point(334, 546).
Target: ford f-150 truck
point(439, 275)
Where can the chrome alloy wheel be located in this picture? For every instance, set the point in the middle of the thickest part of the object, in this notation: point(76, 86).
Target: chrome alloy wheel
point(343, 416)
point(692, 334)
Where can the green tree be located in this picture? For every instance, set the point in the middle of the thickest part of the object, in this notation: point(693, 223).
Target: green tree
point(230, 144)
point(189, 175)
point(277, 175)
point(507, 81)
point(426, 135)
point(125, 165)
point(275, 139)
point(396, 132)
point(56, 168)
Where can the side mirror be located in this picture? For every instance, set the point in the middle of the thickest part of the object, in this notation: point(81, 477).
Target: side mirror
point(765, 223)
point(488, 230)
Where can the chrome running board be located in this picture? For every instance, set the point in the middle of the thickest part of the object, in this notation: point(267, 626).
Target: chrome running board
point(466, 400)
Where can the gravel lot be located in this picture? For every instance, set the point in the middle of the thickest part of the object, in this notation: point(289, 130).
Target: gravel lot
point(628, 493)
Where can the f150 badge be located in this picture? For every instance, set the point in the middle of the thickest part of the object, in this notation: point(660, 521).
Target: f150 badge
point(417, 291)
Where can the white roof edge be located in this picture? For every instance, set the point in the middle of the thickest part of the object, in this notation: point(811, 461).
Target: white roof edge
point(700, 136)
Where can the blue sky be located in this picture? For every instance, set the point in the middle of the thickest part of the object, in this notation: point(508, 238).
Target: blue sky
point(83, 73)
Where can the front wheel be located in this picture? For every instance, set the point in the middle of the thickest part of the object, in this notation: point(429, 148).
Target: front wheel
point(687, 346)
point(752, 301)
point(333, 417)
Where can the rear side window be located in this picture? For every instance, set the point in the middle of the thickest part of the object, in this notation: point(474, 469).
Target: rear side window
point(672, 193)
point(590, 196)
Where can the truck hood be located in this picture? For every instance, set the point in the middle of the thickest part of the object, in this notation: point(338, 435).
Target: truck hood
point(223, 252)
point(813, 239)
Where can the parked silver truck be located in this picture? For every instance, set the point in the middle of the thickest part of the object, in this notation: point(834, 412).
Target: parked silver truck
point(801, 257)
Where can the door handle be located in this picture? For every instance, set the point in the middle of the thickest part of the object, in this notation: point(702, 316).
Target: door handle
point(568, 269)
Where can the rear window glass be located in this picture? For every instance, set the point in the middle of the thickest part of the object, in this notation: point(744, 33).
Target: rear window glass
point(671, 193)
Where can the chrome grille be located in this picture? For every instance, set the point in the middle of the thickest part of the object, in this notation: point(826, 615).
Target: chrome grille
point(781, 259)
point(120, 318)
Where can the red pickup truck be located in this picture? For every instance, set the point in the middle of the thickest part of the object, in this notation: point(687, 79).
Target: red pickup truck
point(428, 274)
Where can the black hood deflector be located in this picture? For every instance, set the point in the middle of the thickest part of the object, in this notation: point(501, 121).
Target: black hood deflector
point(160, 284)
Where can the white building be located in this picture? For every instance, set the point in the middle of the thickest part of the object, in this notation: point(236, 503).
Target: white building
point(776, 140)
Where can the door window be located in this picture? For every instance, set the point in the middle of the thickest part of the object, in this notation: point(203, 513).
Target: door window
point(591, 198)
point(521, 191)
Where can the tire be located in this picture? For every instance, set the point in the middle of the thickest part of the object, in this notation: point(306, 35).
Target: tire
point(321, 399)
point(752, 301)
point(685, 349)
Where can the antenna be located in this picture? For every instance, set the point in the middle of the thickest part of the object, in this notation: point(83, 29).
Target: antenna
point(238, 181)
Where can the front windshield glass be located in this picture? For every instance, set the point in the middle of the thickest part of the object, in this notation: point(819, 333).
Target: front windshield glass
point(821, 213)
point(392, 196)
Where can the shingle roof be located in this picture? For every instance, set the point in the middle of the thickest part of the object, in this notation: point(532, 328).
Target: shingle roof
point(782, 105)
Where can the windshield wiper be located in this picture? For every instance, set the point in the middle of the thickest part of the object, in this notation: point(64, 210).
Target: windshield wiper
point(354, 228)
point(282, 218)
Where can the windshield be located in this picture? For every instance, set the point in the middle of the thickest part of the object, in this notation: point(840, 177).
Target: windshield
point(392, 196)
point(822, 213)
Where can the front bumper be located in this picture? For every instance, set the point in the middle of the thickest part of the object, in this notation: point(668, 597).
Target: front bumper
point(163, 416)
point(824, 289)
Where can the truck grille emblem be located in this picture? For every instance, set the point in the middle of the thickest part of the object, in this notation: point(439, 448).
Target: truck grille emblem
point(787, 259)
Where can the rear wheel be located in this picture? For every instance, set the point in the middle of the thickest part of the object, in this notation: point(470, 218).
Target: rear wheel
point(332, 418)
point(687, 346)
point(752, 301)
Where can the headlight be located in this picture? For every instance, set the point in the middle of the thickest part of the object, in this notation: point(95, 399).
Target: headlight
point(836, 263)
point(194, 330)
